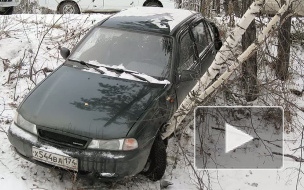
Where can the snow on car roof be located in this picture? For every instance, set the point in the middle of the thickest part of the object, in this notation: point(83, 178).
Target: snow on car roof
point(152, 19)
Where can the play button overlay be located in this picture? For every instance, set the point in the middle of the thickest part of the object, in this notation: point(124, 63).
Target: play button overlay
point(235, 138)
point(238, 137)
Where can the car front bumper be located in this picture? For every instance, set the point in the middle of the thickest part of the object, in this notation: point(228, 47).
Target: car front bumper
point(114, 164)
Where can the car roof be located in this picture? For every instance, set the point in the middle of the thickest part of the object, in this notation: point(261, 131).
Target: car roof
point(149, 19)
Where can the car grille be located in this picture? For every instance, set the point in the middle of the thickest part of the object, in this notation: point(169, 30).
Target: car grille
point(6, 0)
point(62, 139)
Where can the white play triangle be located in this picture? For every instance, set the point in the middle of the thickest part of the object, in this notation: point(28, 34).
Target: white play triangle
point(235, 138)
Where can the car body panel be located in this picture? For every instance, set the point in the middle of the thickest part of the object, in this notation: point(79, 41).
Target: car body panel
point(102, 5)
point(93, 105)
point(145, 20)
point(126, 163)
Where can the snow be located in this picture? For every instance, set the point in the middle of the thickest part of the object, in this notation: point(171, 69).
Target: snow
point(153, 80)
point(23, 33)
point(23, 134)
point(173, 16)
point(216, 144)
point(110, 155)
point(123, 75)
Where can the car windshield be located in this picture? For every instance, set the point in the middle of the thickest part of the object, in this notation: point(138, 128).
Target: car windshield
point(141, 52)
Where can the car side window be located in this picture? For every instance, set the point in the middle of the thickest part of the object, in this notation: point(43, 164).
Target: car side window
point(202, 36)
point(210, 30)
point(187, 53)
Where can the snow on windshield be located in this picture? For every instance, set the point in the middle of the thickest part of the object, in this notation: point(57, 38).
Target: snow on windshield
point(123, 75)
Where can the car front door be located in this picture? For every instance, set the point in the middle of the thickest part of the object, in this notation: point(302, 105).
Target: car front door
point(204, 40)
point(119, 4)
point(90, 5)
point(196, 53)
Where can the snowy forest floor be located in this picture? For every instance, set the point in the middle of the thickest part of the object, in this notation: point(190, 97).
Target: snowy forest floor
point(33, 41)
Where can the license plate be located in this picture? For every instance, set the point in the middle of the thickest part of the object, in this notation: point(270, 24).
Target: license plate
point(55, 159)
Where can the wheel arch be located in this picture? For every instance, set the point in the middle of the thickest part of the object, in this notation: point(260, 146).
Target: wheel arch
point(156, 1)
point(67, 1)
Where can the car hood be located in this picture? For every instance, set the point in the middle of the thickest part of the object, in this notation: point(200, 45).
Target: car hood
point(88, 104)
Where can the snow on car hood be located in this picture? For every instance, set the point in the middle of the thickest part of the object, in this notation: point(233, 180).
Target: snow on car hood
point(103, 68)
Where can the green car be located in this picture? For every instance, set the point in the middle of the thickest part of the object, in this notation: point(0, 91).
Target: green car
point(102, 111)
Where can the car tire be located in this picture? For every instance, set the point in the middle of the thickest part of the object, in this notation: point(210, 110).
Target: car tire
point(157, 161)
point(153, 4)
point(69, 7)
point(7, 11)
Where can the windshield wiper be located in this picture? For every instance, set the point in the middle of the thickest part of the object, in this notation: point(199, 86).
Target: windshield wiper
point(120, 70)
point(88, 65)
point(139, 77)
point(133, 73)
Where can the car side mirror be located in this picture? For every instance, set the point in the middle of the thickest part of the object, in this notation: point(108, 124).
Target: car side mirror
point(187, 75)
point(217, 37)
point(65, 52)
point(218, 44)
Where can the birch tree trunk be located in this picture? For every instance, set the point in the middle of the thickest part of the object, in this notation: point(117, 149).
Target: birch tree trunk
point(199, 92)
point(249, 67)
point(284, 42)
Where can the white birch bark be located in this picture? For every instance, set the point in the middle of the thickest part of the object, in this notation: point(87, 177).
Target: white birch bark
point(199, 91)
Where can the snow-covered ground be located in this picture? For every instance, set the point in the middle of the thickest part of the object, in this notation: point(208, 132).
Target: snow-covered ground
point(28, 39)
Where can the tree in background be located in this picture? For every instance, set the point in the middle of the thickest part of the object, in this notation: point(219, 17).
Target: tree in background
point(217, 6)
point(284, 41)
point(234, 7)
point(226, 4)
point(249, 67)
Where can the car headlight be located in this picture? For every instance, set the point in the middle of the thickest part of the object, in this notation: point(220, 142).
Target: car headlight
point(116, 144)
point(24, 124)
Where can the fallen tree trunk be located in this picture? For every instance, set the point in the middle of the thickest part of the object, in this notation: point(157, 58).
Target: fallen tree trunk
point(200, 90)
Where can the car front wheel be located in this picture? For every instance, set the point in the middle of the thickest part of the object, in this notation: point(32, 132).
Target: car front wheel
point(69, 7)
point(157, 161)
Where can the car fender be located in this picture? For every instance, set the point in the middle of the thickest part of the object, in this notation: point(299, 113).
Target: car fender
point(150, 122)
point(49, 4)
